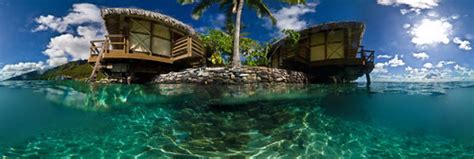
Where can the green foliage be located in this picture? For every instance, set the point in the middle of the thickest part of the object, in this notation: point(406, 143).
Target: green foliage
point(292, 37)
point(76, 70)
point(228, 6)
point(254, 54)
point(219, 46)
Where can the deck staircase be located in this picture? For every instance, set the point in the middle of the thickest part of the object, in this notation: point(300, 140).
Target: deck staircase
point(98, 65)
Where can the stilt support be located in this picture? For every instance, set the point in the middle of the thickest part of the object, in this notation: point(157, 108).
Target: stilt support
point(367, 76)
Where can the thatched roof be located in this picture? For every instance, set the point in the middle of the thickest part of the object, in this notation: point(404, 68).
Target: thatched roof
point(358, 28)
point(329, 26)
point(334, 25)
point(148, 15)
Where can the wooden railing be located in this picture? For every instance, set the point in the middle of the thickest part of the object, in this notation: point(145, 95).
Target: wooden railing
point(96, 47)
point(187, 45)
point(113, 42)
point(118, 42)
point(367, 55)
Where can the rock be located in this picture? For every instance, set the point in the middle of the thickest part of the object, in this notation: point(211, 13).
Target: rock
point(203, 74)
point(223, 75)
point(243, 75)
point(215, 68)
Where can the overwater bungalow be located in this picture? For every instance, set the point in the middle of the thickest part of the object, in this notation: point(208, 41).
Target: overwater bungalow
point(330, 52)
point(141, 44)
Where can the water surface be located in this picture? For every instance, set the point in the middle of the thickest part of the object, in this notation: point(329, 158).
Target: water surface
point(60, 119)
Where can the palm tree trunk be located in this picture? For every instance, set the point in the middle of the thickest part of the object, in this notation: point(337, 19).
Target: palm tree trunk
point(236, 51)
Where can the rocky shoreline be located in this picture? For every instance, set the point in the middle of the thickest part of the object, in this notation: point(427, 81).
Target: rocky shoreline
point(229, 75)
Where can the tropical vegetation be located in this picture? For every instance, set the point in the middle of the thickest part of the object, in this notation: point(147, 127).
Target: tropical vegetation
point(233, 9)
point(219, 46)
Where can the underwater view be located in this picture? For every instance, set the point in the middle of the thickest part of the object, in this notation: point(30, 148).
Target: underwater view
point(237, 79)
point(386, 120)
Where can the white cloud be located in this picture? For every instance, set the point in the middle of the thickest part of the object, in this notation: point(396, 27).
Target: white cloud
point(462, 44)
point(81, 13)
point(428, 65)
point(419, 4)
point(417, 75)
point(83, 24)
point(431, 32)
point(463, 71)
point(421, 55)
point(380, 68)
point(427, 73)
point(444, 63)
point(384, 57)
point(460, 68)
point(290, 17)
point(433, 14)
point(12, 70)
point(67, 46)
point(61, 48)
point(454, 17)
point(406, 26)
point(417, 11)
point(395, 62)
point(74, 45)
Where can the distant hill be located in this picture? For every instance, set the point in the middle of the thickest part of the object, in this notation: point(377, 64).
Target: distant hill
point(77, 70)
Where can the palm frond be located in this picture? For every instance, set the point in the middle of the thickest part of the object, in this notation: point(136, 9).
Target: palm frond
point(262, 9)
point(201, 7)
point(294, 1)
point(184, 2)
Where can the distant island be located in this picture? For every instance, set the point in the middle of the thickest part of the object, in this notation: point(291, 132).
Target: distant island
point(74, 70)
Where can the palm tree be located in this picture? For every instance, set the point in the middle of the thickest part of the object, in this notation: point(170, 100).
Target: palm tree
point(235, 7)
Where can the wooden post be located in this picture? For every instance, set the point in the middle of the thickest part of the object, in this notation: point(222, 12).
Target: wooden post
point(367, 77)
point(325, 45)
point(190, 46)
point(127, 47)
point(151, 38)
point(346, 43)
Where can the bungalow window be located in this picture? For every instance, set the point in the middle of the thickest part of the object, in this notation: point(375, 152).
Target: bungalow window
point(318, 47)
point(140, 36)
point(161, 42)
point(148, 37)
point(335, 44)
point(327, 45)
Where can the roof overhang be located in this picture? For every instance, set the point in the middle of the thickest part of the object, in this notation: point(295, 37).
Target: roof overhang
point(145, 14)
point(360, 26)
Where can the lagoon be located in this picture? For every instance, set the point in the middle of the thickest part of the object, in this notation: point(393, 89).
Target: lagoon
point(386, 120)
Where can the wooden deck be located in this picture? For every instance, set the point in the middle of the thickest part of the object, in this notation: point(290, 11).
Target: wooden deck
point(118, 48)
point(363, 58)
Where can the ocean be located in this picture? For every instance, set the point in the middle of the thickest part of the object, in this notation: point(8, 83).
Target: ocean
point(385, 120)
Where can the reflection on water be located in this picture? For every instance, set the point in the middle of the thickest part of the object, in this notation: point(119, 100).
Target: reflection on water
point(288, 121)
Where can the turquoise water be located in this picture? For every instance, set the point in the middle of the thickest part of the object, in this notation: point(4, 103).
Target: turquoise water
point(387, 120)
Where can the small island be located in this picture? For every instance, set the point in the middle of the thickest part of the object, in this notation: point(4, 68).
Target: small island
point(237, 79)
point(145, 46)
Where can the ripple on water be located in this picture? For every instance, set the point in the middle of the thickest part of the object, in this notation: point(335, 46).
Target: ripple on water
point(283, 121)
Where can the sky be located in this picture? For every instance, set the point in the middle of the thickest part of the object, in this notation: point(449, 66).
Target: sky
point(414, 40)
